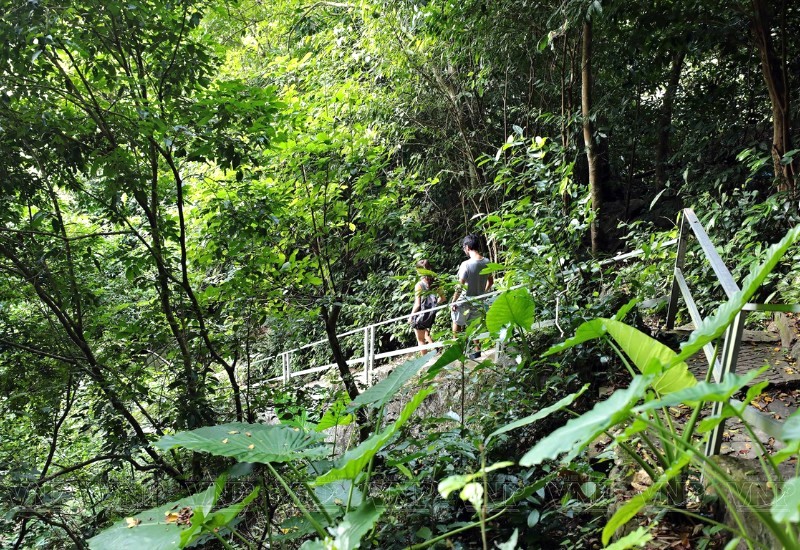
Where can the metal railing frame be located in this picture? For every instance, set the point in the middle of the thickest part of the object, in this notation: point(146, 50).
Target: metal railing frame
point(726, 362)
point(369, 358)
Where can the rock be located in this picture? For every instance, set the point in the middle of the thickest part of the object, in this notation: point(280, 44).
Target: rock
point(748, 476)
point(795, 353)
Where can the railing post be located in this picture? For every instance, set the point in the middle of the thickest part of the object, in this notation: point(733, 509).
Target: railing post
point(287, 373)
point(730, 355)
point(366, 353)
point(680, 256)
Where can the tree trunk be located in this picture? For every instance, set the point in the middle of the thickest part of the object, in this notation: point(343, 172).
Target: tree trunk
point(330, 318)
point(774, 69)
point(665, 120)
point(595, 183)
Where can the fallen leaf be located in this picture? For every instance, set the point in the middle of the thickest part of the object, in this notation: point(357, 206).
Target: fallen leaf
point(132, 522)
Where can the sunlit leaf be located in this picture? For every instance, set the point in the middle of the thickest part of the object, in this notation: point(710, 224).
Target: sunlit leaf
point(264, 444)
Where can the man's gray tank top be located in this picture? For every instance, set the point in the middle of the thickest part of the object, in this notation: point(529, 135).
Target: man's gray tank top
point(469, 271)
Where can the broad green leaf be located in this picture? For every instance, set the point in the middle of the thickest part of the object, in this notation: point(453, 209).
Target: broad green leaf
point(786, 506)
point(347, 535)
point(712, 327)
point(623, 311)
point(514, 307)
point(224, 516)
point(650, 357)
point(451, 354)
point(638, 538)
point(335, 415)
point(590, 330)
point(581, 431)
point(150, 529)
point(624, 514)
point(705, 391)
point(355, 460)
point(381, 393)
point(248, 442)
point(791, 427)
point(334, 495)
point(557, 406)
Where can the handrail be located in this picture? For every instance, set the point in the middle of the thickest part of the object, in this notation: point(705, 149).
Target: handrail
point(732, 339)
point(369, 330)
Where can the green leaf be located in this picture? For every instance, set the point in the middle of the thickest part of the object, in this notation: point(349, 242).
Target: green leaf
point(712, 327)
point(333, 496)
point(624, 514)
point(562, 403)
point(650, 357)
point(705, 391)
point(263, 444)
point(150, 529)
point(581, 431)
point(791, 427)
point(335, 415)
point(347, 535)
point(381, 393)
point(514, 307)
point(639, 538)
point(786, 506)
point(590, 330)
point(450, 355)
point(355, 460)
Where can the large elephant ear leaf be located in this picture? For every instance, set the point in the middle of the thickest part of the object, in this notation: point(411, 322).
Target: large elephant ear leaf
point(353, 462)
point(580, 431)
point(157, 528)
point(382, 392)
point(713, 327)
point(590, 330)
point(651, 356)
point(249, 442)
point(514, 307)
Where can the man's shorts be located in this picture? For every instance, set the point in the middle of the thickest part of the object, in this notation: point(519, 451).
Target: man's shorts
point(466, 312)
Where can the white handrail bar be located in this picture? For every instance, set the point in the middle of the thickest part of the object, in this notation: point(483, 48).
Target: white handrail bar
point(618, 258)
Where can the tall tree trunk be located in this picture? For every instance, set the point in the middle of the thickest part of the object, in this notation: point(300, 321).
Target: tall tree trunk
point(665, 120)
point(595, 181)
point(774, 69)
point(330, 316)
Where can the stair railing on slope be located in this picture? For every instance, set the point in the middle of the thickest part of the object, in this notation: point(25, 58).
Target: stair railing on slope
point(370, 357)
point(732, 339)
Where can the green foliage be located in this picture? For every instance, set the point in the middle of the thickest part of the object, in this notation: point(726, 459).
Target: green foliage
point(248, 442)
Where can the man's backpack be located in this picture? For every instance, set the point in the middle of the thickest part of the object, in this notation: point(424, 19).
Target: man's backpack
point(424, 318)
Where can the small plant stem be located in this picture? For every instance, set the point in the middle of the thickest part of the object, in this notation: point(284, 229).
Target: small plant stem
point(639, 460)
point(241, 538)
point(770, 471)
point(688, 430)
point(621, 355)
point(663, 460)
point(293, 496)
point(222, 541)
point(483, 511)
point(787, 539)
point(349, 496)
point(312, 494)
point(451, 533)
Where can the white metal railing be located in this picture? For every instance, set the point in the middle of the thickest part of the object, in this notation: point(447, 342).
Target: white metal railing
point(369, 358)
point(732, 339)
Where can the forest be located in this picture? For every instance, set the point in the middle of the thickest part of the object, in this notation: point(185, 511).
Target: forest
point(188, 189)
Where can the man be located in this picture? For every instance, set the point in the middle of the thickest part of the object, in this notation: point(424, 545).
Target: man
point(471, 283)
